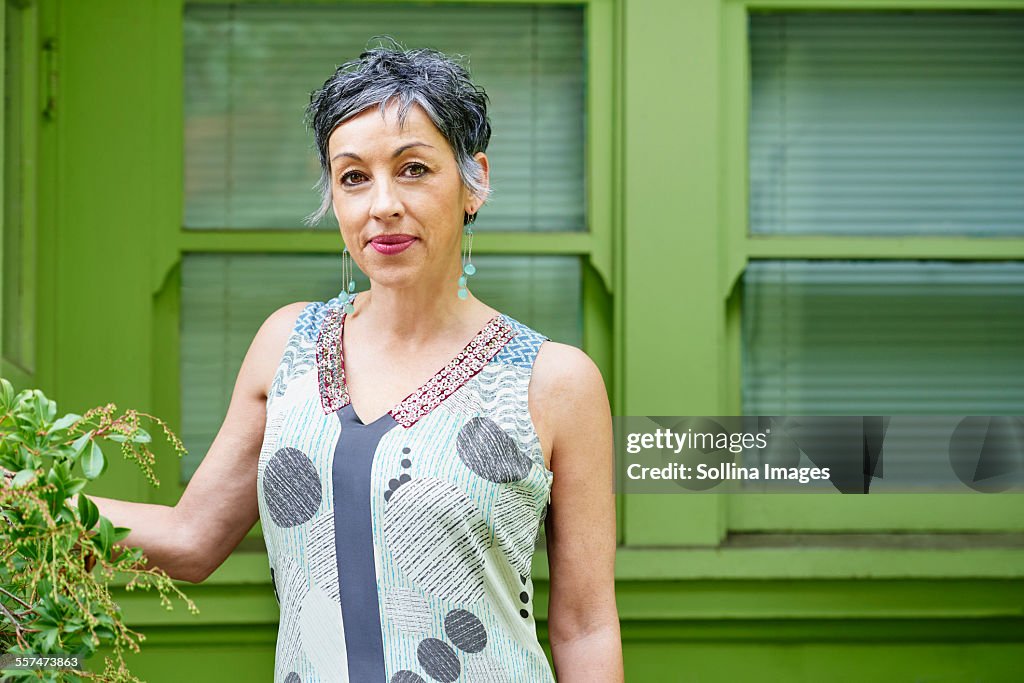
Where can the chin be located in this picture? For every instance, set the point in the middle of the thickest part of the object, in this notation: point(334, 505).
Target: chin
point(394, 278)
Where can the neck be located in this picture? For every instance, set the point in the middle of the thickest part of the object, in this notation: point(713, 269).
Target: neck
point(418, 314)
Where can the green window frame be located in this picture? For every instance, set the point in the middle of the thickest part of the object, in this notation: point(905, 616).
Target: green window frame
point(720, 245)
point(935, 513)
point(593, 246)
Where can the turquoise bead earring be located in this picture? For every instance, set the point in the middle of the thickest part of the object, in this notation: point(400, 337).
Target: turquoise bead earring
point(346, 276)
point(467, 260)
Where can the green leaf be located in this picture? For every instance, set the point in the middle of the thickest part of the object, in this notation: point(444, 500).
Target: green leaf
point(54, 477)
point(142, 436)
point(65, 422)
point(120, 533)
point(117, 438)
point(88, 513)
point(79, 444)
point(63, 471)
point(93, 463)
point(51, 410)
point(23, 477)
point(75, 485)
point(50, 638)
point(29, 460)
point(38, 406)
point(6, 394)
point(66, 514)
point(106, 536)
point(45, 614)
point(15, 437)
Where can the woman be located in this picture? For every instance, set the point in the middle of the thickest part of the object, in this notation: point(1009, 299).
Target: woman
point(401, 503)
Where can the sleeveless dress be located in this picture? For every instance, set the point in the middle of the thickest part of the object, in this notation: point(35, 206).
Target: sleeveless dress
point(400, 550)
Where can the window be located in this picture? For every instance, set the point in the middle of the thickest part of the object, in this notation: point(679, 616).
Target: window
point(250, 167)
point(886, 181)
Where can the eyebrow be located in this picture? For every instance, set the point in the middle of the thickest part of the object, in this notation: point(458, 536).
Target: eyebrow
point(396, 154)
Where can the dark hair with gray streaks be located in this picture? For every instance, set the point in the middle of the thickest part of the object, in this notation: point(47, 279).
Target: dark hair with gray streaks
point(431, 79)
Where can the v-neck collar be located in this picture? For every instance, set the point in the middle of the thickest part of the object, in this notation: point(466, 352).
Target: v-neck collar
point(468, 362)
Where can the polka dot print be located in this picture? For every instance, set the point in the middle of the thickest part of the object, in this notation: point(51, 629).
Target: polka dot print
point(291, 488)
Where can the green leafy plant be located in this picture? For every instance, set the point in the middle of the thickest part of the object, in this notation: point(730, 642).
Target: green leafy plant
point(58, 554)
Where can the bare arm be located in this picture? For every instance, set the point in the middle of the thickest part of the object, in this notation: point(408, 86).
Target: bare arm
point(583, 620)
point(190, 540)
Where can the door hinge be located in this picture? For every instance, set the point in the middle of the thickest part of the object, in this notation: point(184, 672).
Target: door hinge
point(50, 76)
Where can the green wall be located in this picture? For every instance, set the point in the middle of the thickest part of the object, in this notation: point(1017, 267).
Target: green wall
point(853, 588)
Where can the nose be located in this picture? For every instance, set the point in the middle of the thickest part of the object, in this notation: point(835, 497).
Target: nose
point(386, 204)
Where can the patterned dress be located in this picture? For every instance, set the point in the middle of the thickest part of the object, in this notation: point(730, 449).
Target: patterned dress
point(400, 550)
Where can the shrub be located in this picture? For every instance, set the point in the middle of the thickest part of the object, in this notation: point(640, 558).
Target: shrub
point(58, 554)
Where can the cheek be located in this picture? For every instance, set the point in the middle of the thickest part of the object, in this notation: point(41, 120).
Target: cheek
point(338, 214)
point(343, 213)
point(344, 206)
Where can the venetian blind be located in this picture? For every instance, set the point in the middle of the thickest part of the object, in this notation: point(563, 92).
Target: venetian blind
point(249, 70)
point(894, 123)
point(883, 338)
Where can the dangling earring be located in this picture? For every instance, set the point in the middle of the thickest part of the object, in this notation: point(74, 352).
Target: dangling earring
point(467, 260)
point(346, 276)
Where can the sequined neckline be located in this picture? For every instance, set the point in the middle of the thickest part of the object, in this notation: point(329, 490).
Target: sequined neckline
point(446, 381)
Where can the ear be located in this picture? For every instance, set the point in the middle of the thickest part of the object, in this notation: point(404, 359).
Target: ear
point(473, 202)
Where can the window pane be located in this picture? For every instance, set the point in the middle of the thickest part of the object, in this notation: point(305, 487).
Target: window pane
point(887, 123)
point(225, 299)
point(883, 338)
point(249, 70)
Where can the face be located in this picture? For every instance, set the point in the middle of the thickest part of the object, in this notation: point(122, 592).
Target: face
point(399, 184)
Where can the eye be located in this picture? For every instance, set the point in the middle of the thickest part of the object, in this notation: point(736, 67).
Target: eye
point(416, 170)
point(353, 178)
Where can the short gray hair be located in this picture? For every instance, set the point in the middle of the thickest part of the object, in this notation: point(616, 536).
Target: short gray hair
point(423, 76)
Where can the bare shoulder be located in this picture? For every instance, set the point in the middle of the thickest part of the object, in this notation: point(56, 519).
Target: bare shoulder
point(566, 390)
point(562, 370)
point(267, 347)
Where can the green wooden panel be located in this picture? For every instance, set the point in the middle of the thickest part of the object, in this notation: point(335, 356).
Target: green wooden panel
point(754, 556)
point(683, 651)
point(18, 232)
point(887, 123)
point(919, 512)
point(249, 70)
point(810, 663)
point(241, 653)
point(799, 578)
point(671, 327)
point(901, 619)
point(104, 170)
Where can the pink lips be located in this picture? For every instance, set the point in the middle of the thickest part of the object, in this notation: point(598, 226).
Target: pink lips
point(392, 244)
